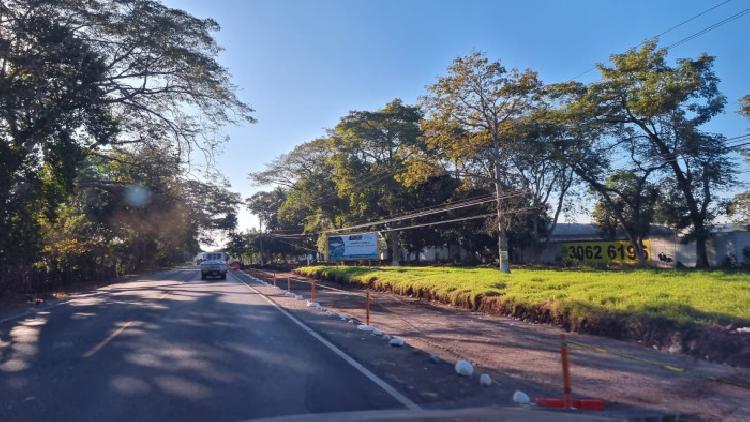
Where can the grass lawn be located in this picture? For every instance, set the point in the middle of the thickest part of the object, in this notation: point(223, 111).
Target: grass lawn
point(679, 296)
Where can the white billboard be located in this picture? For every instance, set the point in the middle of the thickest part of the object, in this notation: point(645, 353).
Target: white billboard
point(347, 247)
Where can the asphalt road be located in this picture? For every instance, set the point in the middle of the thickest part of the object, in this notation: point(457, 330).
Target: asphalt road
point(172, 347)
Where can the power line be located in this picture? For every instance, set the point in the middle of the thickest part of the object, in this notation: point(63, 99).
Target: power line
point(689, 20)
point(701, 13)
point(431, 211)
point(738, 137)
point(429, 207)
point(434, 210)
point(296, 246)
point(709, 28)
point(416, 226)
point(738, 141)
point(454, 220)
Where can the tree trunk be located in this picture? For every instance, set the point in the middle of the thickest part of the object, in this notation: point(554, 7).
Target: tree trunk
point(697, 214)
point(701, 248)
point(637, 243)
point(395, 252)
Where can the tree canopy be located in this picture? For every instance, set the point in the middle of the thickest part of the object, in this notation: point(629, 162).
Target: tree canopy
point(102, 99)
point(632, 142)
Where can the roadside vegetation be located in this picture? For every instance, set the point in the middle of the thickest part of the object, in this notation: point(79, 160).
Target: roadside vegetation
point(104, 102)
point(702, 297)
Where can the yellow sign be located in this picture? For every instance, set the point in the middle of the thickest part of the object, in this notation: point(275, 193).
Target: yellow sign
point(612, 252)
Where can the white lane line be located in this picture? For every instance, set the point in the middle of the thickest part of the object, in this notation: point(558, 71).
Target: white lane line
point(101, 344)
point(350, 360)
point(115, 333)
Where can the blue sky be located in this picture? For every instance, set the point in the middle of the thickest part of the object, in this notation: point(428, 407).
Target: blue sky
point(303, 64)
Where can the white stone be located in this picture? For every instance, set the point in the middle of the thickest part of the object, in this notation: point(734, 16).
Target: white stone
point(485, 380)
point(396, 342)
point(521, 398)
point(463, 367)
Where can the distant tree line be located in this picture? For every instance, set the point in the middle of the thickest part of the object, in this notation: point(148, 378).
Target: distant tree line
point(632, 143)
point(102, 104)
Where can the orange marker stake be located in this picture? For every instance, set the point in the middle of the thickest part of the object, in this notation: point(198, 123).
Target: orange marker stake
point(289, 284)
point(567, 390)
point(313, 291)
point(567, 401)
point(367, 308)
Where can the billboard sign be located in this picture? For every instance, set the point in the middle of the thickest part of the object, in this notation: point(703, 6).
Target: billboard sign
point(347, 247)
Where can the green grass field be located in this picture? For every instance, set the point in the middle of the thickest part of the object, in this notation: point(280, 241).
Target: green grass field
point(679, 296)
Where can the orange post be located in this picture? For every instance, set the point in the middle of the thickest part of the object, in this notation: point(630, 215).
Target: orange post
point(312, 291)
point(567, 390)
point(289, 284)
point(367, 308)
point(567, 401)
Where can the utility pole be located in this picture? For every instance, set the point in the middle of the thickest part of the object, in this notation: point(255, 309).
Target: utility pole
point(502, 236)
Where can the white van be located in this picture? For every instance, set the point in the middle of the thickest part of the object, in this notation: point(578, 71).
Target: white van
point(214, 264)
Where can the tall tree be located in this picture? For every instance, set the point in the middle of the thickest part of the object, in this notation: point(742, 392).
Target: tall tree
point(470, 116)
point(370, 152)
point(653, 113)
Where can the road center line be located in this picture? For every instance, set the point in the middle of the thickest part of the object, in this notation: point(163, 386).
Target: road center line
point(115, 333)
point(408, 403)
point(111, 337)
